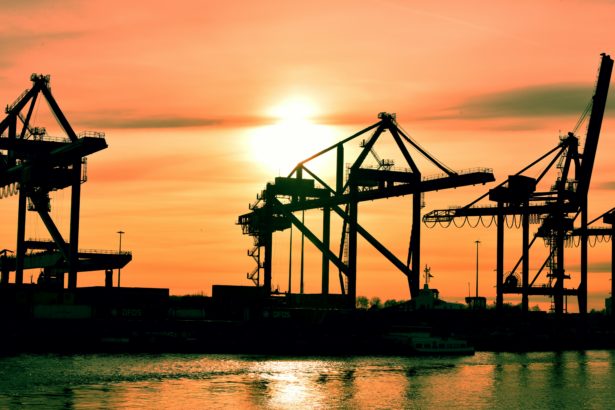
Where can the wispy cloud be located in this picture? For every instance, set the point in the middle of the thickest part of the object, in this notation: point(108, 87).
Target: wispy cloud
point(540, 101)
point(607, 186)
point(14, 42)
point(527, 103)
point(599, 267)
point(10, 5)
point(144, 121)
point(130, 120)
point(594, 267)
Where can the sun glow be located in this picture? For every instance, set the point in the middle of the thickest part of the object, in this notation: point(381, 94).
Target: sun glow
point(292, 138)
point(294, 110)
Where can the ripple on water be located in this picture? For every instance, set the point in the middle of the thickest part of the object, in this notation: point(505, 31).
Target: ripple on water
point(486, 380)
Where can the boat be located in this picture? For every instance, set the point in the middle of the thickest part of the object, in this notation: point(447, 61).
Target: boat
point(420, 342)
point(435, 345)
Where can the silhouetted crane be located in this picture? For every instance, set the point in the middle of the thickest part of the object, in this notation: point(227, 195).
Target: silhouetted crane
point(33, 164)
point(555, 209)
point(275, 206)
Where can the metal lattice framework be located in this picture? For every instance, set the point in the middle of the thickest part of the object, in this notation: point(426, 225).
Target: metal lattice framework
point(276, 205)
point(33, 164)
point(556, 210)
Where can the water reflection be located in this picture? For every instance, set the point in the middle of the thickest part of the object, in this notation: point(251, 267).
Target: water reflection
point(487, 380)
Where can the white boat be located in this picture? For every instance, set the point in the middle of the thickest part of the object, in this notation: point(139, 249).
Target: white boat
point(424, 343)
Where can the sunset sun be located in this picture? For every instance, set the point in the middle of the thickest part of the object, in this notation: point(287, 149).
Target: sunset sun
point(294, 135)
point(294, 110)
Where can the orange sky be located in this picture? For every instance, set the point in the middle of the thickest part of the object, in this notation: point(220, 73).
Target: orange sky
point(184, 88)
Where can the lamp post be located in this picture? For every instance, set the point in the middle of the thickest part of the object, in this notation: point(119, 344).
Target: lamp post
point(290, 262)
point(302, 251)
point(119, 270)
point(477, 242)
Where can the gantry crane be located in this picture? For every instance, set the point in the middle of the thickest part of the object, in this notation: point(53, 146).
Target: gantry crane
point(609, 218)
point(275, 206)
point(33, 164)
point(600, 233)
point(555, 210)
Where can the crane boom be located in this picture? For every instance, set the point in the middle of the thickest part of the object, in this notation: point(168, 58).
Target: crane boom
point(595, 123)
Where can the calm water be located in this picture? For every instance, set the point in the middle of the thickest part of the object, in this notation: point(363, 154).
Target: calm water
point(486, 380)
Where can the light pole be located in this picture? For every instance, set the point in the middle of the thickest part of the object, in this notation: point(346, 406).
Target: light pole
point(302, 251)
point(119, 270)
point(477, 242)
point(290, 262)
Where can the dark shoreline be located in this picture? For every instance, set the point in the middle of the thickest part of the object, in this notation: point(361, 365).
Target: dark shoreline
point(334, 333)
point(90, 320)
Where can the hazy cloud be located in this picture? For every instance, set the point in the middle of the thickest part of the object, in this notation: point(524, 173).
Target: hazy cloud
point(11, 5)
point(130, 120)
point(12, 43)
point(525, 106)
point(599, 267)
point(516, 126)
point(22, 39)
point(607, 185)
point(541, 101)
point(594, 267)
point(147, 122)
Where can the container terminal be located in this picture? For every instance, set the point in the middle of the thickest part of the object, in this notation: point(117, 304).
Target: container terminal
point(54, 314)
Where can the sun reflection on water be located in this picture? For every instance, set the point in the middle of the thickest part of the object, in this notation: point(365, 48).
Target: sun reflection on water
point(487, 380)
point(292, 382)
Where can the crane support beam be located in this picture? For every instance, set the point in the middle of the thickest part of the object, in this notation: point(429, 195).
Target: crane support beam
point(352, 225)
point(316, 242)
point(445, 215)
point(88, 261)
point(595, 123)
point(592, 232)
point(73, 247)
point(326, 240)
point(525, 267)
point(415, 246)
point(58, 112)
point(582, 298)
point(406, 154)
point(369, 146)
point(472, 178)
point(38, 164)
point(21, 236)
point(375, 243)
point(26, 121)
point(40, 206)
point(609, 218)
point(499, 302)
point(10, 120)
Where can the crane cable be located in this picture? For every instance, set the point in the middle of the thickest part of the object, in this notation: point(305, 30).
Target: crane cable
point(428, 156)
point(581, 120)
